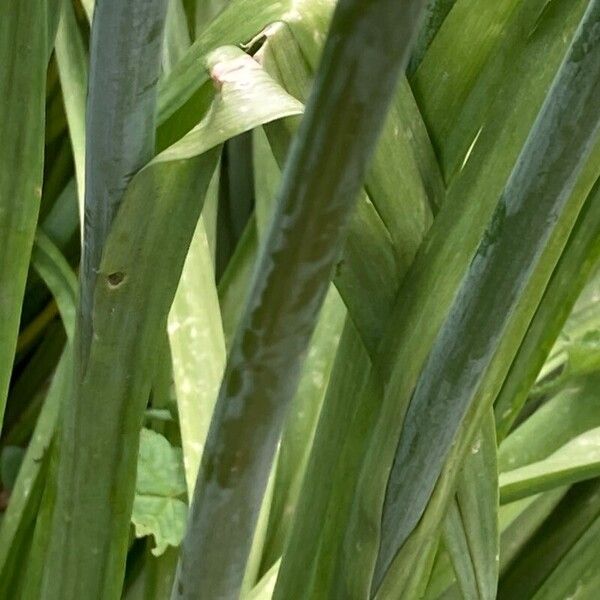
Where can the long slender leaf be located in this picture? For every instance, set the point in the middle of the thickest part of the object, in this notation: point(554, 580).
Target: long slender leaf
point(72, 60)
point(472, 520)
point(198, 350)
point(28, 487)
point(120, 126)
point(580, 256)
point(571, 525)
point(577, 460)
point(23, 59)
point(569, 414)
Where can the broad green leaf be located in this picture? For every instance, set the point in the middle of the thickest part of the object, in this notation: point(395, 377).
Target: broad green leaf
point(23, 60)
point(148, 243)
point(158, 509)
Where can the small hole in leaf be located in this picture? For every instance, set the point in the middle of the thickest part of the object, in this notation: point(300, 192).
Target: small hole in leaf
point(116, 279)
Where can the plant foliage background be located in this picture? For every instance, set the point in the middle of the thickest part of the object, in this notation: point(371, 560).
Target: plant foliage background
point(300, 301)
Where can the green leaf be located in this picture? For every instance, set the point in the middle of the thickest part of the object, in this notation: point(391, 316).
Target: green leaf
point(177, 36)
point(23, 60)
point(301, 422)
point(576, 461)
point(435, 14)
point(570, 413)
point(157, 508)
point(520, 520)
point(120, 128)
point(72, 61)
point(241, 21)
point(15, 531)
point(555, 559)
point(198, 350)
point(471, 525)
point(10, 463)
point(53, 268)
point(20, 516)
point(573, 270)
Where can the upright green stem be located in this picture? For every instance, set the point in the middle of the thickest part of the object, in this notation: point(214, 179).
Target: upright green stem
point(125, 59)
point(87, 548)
point(368, 46)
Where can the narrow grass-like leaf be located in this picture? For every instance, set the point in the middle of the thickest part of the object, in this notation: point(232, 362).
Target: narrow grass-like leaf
point(576, 461)
point(23, 59)
point(177, 36)
point(72, 61)
point(27, 491)
point(436, 12)
point(120, 126)
point(579, 258)
point(569, 414)
point(520, 520)
point(206, 11)
point(301, 423)
point(51, 265)
point(471, 526)
point(563, 536)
